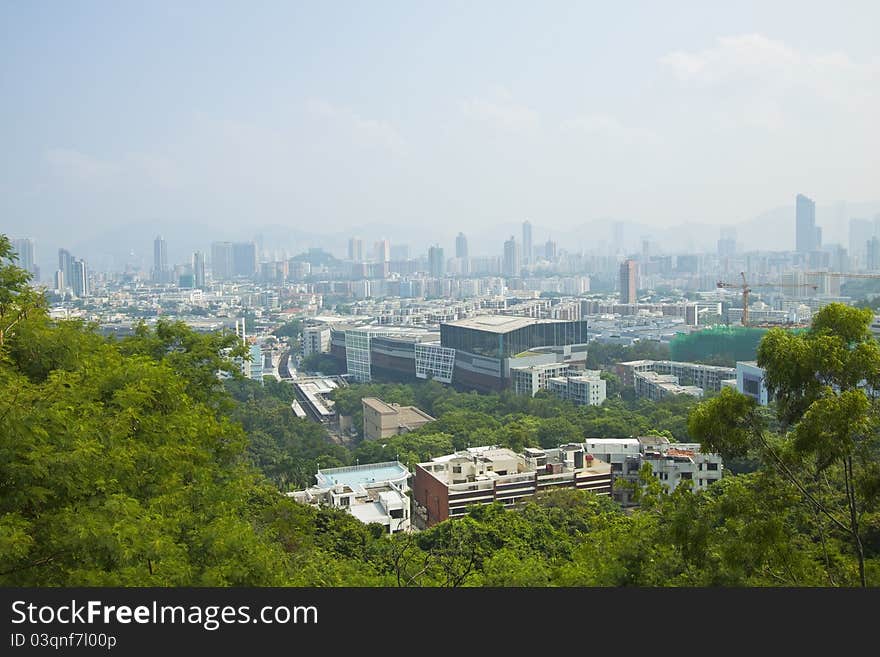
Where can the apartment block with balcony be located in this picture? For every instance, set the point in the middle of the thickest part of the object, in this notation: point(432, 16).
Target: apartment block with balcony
point(446, 486)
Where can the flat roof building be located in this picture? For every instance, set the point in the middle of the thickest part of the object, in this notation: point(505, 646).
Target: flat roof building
point(446, 486)
point(372, 493)
point(383, 420)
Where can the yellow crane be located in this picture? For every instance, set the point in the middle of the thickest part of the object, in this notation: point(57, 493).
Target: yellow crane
point(746, 290)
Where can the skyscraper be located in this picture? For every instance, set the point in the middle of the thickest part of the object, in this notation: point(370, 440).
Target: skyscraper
point(65, 266)
point(550, 250)
point(80, 278)
point(24, 248)
point(628, 281)
point(807, 236)
point(244, 259)
point(860, 231)
point(872, 249)
point(461, 246)
point(436, 263)
point(198, 266)
point(221, 261)
point(527, 254)
point(462, 260)
point(160, 261)
point(356, 249)
point(382, 250)
point(511, 264)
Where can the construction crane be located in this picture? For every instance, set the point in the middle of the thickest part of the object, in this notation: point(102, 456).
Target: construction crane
point(746, 290)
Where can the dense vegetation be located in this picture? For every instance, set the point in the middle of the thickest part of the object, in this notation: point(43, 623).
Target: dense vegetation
point(126, 462)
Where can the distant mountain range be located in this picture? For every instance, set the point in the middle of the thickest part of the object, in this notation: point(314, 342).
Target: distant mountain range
point(132, 244)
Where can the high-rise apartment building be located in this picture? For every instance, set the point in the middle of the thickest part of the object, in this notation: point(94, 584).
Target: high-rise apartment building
point(356, 249)
point(221, 261)
point(462, 259)
point(512, 263)
point(382, 251)
point(808, 237)
point(550, 250)
point(872, 261)
point(628, 281)
point(24, 249)
point(65, 266)
point(244, 259)
point(860, 232)
point(80, 278)
point(161, 273)
point(436, 263)
point(527, 254)
point(461, 246)
point(198, 267)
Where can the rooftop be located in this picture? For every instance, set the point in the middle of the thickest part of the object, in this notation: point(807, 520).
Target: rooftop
point(362, 475)
point(498, 323)
point(406, 415)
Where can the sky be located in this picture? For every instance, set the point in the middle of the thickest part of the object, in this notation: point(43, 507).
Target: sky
point(325, 117)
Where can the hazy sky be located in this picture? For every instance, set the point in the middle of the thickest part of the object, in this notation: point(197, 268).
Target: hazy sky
point(327, 115)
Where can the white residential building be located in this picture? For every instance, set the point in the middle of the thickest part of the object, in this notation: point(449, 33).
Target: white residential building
point(315, 340)
point(586, 388)
point(373, 493)
point(671, 463)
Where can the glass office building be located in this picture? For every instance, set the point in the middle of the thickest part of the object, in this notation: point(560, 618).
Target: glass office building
point(502, 336)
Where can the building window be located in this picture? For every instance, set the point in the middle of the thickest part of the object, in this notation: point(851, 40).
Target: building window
point(687, 475)
point(456, 469)
point(711, 466)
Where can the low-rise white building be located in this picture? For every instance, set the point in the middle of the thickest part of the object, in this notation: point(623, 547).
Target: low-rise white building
point(373, 493)
point(674, 463)
point(671, 463)
point(586, 388)
point(654, 386)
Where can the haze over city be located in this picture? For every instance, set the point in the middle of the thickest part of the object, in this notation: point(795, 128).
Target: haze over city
point(383, 295)
point(307, 124)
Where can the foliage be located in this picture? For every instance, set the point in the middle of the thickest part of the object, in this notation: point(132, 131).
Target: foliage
point(289, 329)
point(126, 462)
point(827, 448)
point(324, 363)
point(604, 356)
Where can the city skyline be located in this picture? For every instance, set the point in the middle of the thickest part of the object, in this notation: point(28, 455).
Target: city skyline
point(759, 92)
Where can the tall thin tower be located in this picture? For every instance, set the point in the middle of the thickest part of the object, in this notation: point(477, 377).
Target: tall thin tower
point(527, 253)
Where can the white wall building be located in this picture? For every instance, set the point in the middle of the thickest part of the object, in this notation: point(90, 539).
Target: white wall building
point(586, 388)
point(750, 381)
point(315, 340)
point(372, 493)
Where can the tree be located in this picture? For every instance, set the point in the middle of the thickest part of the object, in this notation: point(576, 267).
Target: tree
point(289, 329)
point(824, 384)
point(17, 298)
